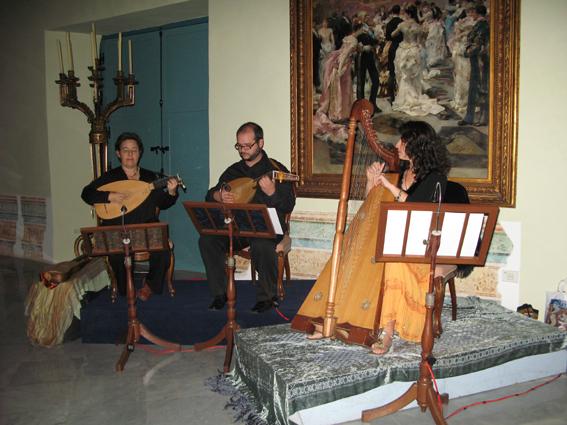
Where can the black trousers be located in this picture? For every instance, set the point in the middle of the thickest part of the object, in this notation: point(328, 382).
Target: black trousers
point(392, 84)
point(214, 250)
point(159, 263)
point(478, 91)
point(367, 64)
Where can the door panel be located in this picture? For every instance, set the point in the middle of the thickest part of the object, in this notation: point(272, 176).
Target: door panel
point(179, 63)
point(186, 129)
point(144, 117)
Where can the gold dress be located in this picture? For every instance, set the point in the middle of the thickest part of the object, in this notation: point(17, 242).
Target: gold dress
point(359, 284)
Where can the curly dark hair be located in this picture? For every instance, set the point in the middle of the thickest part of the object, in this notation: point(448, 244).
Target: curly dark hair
point(426, 150)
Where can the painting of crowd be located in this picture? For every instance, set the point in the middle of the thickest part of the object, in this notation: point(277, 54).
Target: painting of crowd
point(426, 59)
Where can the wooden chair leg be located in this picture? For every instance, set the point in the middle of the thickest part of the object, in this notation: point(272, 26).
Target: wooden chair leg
point(287, 270)
point(439, 290)
point(113, 283)
point(170, 273)
point(453, 292)
point(253, 271)
point(281, 263)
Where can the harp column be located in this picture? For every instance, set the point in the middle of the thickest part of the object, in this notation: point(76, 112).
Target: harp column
point(330, 320)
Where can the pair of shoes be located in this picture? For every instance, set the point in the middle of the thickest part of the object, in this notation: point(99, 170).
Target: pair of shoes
point(144, 293)
point(218, 303)
point(463, 122)
point(479, 124)
point(262, 306)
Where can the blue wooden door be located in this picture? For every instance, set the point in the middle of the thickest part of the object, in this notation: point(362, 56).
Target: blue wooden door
point(171, 111)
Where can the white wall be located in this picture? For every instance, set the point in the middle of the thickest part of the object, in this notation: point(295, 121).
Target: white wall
point(68, 148)
point(542, 149)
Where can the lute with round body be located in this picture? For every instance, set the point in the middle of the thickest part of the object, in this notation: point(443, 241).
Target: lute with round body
point(244, 188)
point(136, 192)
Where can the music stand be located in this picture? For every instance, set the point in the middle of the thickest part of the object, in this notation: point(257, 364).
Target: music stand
point(427, 233)
point(127, 240)
point(230, 220)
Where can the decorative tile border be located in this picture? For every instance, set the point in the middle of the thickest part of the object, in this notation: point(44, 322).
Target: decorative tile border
point(312, 235)
point(23, 224)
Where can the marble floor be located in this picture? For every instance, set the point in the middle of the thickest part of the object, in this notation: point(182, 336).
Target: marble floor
point(75, 383)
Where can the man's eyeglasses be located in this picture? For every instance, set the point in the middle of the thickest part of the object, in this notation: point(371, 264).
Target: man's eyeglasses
point(244, 147)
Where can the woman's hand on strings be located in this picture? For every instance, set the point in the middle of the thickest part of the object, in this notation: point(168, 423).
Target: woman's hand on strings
point(172, 184)
point(375, 175)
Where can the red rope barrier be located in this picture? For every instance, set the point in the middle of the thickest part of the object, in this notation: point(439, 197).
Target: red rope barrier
point(478, 403)
point(281, 314)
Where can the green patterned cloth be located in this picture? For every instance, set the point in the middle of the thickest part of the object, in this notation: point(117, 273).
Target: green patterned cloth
point(284, 372)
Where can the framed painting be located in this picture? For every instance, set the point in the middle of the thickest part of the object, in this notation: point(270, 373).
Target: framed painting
point(452, 64)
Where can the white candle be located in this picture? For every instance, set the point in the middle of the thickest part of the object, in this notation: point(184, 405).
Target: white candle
point(70, 52)
point(130, 57)
point(93, 44)
point(61, 67)
point(119, 51)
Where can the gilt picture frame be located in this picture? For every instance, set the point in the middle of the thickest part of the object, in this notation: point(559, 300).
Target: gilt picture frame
point(487, 166)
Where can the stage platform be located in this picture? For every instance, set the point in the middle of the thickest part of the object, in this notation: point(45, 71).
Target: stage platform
point(290, 379)
point(184, 318)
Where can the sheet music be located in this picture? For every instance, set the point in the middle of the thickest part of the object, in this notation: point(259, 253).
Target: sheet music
point(394, 234)
point(472, 235)
point(275, 221)
point(418, 232)
point(451, 234)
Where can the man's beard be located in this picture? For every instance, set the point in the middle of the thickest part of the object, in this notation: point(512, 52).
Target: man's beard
point(252, 157)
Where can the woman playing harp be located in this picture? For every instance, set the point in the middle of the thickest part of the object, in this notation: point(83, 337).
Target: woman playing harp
point(354, 303)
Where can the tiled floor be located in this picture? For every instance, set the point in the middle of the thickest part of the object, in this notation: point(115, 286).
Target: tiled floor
point(75, 383)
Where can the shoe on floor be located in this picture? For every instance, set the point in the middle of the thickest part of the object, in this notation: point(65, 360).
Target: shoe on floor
point(218, 303)
point(262, 306)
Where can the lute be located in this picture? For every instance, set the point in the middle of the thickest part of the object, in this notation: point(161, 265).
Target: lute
point(244, 188)
point(136, 192)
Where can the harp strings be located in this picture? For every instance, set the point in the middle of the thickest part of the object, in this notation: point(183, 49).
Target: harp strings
point(363, 157)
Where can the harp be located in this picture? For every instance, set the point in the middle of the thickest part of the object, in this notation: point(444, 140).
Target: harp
point(345, 297)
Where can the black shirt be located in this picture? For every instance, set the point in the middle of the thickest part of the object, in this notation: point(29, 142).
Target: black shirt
point(283, 200)
point(424, 189)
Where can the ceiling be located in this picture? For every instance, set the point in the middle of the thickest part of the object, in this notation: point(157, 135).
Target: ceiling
point(145, 19)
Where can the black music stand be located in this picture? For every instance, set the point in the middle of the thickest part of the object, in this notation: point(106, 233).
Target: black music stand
point(127, 240)
point(230, 220)
point(427, 233)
